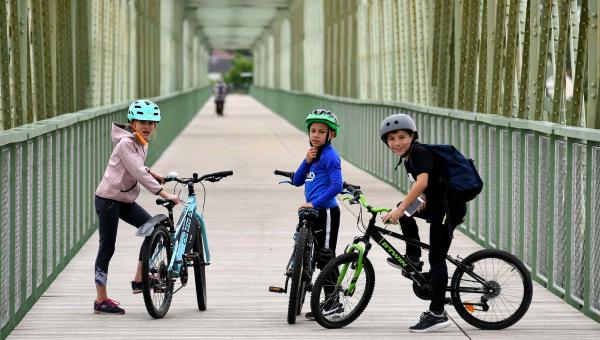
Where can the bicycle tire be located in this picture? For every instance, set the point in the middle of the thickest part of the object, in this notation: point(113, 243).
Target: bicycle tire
point(296, 287)
point(507, 274)
point(199, 270)
point(306, 277)
point(157, 286)
point(351, 309)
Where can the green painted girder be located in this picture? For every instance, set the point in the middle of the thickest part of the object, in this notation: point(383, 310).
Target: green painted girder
point(234, 24)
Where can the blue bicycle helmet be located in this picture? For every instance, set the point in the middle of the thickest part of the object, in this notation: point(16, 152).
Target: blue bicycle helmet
point(143, 109)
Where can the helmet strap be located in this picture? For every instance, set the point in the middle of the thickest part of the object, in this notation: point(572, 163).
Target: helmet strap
point(138, 136)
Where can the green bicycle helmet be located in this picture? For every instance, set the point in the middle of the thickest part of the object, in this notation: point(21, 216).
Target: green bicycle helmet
point(323, 116)
point(143, 109)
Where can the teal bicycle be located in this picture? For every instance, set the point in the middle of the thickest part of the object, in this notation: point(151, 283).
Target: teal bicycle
point(490, 289)
point(169, 250)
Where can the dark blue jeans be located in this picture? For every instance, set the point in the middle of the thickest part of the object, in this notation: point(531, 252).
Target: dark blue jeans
point(109, 212)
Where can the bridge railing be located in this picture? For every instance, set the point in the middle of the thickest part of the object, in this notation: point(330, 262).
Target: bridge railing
point(50, 170)
point(541, 199)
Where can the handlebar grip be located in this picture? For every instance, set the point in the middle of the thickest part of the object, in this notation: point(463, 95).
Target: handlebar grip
point(351, 187)
point(221, 174)
point(284, 173)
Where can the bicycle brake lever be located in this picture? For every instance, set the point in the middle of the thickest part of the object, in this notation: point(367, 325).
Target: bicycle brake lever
point(288, 182)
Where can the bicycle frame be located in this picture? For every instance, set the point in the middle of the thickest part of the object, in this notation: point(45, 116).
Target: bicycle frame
point(181, 232)
point(376, 233)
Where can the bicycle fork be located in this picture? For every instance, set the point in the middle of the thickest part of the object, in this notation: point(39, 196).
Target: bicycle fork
point(358, 270)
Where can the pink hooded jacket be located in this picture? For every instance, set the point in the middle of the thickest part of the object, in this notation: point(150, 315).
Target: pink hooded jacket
point(126, 170)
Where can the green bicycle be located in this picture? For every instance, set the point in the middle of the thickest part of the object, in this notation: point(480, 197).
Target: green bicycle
point(490, 289)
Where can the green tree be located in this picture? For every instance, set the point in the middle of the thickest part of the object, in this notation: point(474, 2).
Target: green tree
point(239, 76)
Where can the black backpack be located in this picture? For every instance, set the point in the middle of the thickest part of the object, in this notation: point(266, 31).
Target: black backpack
point(462, 174)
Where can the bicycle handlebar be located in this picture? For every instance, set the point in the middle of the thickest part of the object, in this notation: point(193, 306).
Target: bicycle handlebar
point(290, 175)
point(359, 198)
point(212, 177)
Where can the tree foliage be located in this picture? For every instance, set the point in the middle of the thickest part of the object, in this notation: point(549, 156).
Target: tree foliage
point(237, 77)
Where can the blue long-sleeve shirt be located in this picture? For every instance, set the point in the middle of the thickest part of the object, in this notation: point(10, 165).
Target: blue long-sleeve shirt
point(322, 179)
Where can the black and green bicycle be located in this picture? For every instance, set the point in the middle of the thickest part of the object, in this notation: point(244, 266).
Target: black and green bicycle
point(490, 289)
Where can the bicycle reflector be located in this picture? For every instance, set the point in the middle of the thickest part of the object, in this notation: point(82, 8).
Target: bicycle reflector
point(469, 307)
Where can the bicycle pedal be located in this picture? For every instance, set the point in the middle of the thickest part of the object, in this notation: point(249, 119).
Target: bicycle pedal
point(192, 256)
point(274, 289)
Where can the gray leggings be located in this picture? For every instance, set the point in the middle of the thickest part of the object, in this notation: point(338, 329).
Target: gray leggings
point(109, 211)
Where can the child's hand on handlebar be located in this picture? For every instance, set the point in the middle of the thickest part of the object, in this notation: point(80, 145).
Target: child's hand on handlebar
point(306, 205)
point(171, 197)
point(175, 198)
point(393, 216)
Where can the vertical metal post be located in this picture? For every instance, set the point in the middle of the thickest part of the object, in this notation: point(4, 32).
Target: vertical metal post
point(483, 59)
point(497, 36)
point(575, 114)
point(37, 61)
point(561, 54)
point(593, 100)
point(510, 60)
point(15, 64)
point(523, 103)
point(5, 108)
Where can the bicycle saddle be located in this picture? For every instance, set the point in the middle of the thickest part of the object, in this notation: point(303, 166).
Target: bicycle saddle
point(308, 214)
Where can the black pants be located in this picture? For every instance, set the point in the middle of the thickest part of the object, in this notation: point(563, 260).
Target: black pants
point(109, 212)
point(219, 104)
point(440, 237)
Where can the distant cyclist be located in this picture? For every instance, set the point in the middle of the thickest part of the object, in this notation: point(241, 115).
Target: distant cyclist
point(118, 190)
point(321, 174)
point(220, 91)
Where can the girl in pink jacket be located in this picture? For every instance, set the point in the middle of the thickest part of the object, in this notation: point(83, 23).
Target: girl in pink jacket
point(118, 190)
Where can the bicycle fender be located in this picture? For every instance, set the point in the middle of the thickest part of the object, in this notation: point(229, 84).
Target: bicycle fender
point(147, 228)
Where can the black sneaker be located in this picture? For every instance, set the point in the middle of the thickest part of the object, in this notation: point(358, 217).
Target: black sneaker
point(334, 311)
point(136, 287)
point(430, 322)
point(108, 306)
point(414, 260)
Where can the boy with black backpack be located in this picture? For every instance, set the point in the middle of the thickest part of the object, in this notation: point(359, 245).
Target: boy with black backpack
point(441, 203)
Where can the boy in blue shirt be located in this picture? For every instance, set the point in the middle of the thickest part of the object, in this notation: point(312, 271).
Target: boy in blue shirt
point(321, 174)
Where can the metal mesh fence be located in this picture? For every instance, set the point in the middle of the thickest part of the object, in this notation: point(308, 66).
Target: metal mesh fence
point(560, 202)
point(595, 230)
point(577, 202)
point(544, 208)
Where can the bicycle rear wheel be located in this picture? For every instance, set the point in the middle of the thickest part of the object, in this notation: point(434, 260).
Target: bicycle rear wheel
point(502, 299)
point(332, 304)
point(298, 286)
point(156, 282)
point(199, 266)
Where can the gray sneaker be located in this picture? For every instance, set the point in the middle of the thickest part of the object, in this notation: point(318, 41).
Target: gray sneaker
point(430, 322)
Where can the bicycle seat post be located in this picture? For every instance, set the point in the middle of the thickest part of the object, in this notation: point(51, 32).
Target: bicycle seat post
point(171, 227)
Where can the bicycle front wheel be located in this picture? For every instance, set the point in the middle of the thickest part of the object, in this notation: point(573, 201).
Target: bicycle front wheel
point(494, 292)
point(298, 286)
point(199, 266)
point(156, 282)
point(335, 305)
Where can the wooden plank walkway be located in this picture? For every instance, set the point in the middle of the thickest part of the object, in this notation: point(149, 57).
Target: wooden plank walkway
point(250, 222)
